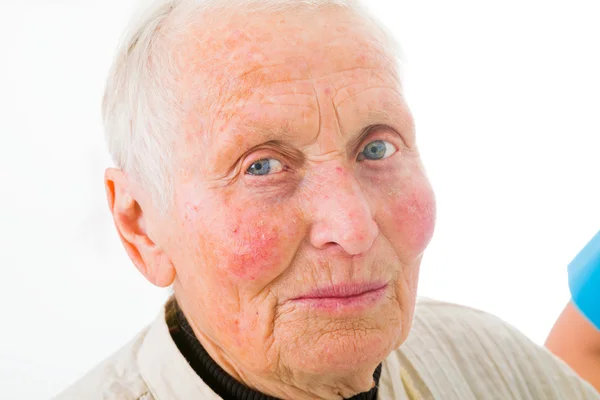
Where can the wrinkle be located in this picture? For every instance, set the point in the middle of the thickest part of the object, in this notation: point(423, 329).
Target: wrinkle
point(326, 156)
point(353, 95)
point(320, 123)
point(337, 118)
point(309, 79)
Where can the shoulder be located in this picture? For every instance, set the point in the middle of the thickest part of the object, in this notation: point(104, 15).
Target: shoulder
point(472, 354)
point(116, 378)
point(446, 320)
point(471, 332)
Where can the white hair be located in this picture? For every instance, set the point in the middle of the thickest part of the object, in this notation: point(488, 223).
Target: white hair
point(139, 109)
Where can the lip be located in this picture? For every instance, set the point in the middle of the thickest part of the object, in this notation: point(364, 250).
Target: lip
point(342, 291)
point(345, 297)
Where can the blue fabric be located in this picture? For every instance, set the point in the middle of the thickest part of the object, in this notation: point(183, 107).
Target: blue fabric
point(584, 280)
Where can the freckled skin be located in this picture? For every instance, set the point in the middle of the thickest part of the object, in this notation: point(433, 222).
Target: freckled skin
point(243, 246)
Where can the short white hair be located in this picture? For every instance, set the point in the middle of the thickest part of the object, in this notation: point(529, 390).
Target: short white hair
point(139, 109)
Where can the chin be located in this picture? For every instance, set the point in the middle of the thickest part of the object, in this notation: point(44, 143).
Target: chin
point(347, 352)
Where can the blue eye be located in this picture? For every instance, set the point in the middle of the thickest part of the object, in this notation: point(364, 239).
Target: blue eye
point(264, 167)
point(377, 150)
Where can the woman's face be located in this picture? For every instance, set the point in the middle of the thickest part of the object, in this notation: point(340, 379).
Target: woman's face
point(302, 208)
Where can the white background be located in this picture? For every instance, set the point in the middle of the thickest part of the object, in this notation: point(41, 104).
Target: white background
point(507, 101)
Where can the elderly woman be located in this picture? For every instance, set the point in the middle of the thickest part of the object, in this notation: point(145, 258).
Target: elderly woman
point(268, 171)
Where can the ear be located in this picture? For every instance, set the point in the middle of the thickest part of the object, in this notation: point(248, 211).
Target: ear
point(132, 226)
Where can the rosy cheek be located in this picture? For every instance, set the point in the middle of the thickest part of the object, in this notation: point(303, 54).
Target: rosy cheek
point(413, 217)
point(253, 251)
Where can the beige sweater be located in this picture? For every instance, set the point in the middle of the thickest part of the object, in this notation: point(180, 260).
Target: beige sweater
point(453, 352)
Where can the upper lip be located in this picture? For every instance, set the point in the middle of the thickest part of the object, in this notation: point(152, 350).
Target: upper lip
point(342, 291)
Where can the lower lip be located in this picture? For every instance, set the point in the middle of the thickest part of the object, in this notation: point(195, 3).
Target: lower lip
point(356, 303)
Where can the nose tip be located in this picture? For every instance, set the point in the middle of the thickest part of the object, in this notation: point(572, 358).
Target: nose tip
point(353, 237)
point(359, 238)
point(346, 223)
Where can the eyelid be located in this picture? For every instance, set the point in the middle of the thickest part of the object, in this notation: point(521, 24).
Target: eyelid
point(282, 152)
point(251, 156)
point(373, 132)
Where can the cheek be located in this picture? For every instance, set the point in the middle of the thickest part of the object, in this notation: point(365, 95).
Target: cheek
point(241, 245)
point(254, 251)
point(411, 218)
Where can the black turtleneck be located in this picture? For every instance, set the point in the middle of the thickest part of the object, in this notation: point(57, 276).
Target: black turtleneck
point(212, 374)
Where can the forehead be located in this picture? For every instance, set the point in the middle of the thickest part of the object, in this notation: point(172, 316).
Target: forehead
point(238, 66)
point(226, 56)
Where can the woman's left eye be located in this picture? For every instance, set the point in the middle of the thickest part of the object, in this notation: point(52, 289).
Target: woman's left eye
point(264, 166)
point(377, 150)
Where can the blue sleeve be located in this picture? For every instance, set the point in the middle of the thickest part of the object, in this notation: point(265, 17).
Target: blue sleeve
point(584, 281)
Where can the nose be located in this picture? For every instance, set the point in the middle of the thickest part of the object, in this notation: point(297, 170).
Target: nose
point(341, 215)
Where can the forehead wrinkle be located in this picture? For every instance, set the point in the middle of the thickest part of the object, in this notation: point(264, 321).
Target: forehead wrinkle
point(259, 108)
point(262, 128)
point(230, 103)
point(247, 101)
point(293, 69)
point(222, 85)
point(375, 77)
point(248, 83)
point(239, 89)
point(246, 91)
point(269, 126)
point(268, 79)
point(349, 96)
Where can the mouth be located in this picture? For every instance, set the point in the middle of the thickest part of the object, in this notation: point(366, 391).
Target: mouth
point(344, 297)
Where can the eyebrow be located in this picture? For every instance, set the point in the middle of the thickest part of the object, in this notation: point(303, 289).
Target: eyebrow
point(381, 118)
point(355, 141)
point(275, 136)
point(384, 119)
point(366, 131)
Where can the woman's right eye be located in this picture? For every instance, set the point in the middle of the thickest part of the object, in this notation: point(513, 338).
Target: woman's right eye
point(264, 166)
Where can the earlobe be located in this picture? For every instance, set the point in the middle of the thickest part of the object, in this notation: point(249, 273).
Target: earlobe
point(133, 229)
point(164, 274)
